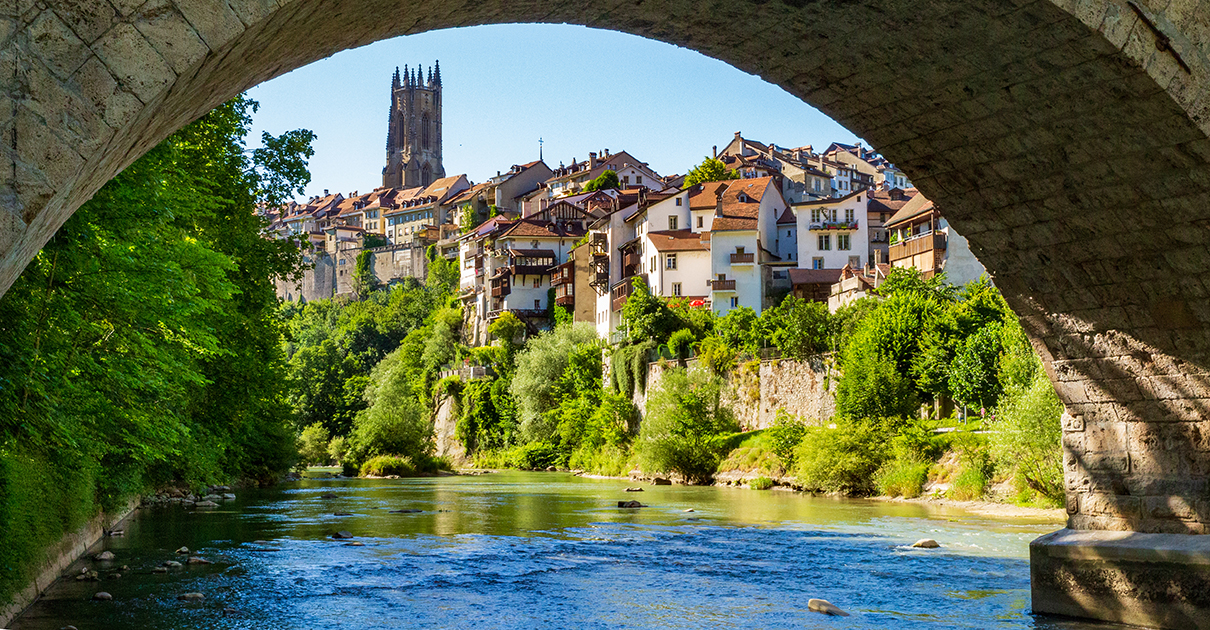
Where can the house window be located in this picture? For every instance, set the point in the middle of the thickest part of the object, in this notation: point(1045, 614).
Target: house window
point(848, 214)
point(734, 302)
point(788, 233)
point(537, 304)
point(844, 241)
point(537, 282)
point(817, 263)
point(817, 185)
point(678, 201)
point(825, 242)
point(653, 263)
point(672, 223)
point(670, 261)
point(625, 179)
point(699, 222)
point(676, 289)
point(638, 179)
point(816, 215)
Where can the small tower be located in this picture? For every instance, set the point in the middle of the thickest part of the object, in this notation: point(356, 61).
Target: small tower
point(414, 129)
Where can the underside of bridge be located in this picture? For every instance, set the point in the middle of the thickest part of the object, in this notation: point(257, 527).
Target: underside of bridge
point(1066, 139)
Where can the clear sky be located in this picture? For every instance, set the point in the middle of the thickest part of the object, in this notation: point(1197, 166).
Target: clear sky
point(506, 86)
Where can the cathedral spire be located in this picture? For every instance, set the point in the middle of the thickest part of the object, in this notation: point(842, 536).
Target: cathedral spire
point(437, 73)
point(407, 75)
point(430, 81)
point(395, 79)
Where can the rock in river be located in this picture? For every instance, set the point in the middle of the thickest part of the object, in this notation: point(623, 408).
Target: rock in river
point(634, 489)
point(825, 607)
point(341, 535)
point(102, 596)
point(630, 504)
point(660, 481)
point(926, 543)
point(104, 556)
point(328, 495)
point(172, 564)
point(197, 560)
point(191, 597)
point(206, 504)
point(183, 550)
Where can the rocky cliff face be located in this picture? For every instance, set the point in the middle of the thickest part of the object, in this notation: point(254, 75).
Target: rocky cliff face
point(445, 423)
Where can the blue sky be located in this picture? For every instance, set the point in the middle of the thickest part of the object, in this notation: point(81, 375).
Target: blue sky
point(506, 86)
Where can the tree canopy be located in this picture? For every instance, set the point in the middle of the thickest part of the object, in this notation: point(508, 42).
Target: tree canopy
point(710, 170)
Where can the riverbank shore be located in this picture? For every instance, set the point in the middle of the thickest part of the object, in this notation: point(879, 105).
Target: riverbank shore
point(981, 508)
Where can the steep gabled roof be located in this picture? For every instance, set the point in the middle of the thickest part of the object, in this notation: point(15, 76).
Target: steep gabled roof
point(916, 207)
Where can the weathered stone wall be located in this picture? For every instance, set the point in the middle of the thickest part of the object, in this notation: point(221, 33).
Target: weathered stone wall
point(332, 275)
point(755, 393)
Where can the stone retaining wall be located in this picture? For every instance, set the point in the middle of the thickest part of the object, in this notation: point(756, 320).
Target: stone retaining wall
point(70, 548)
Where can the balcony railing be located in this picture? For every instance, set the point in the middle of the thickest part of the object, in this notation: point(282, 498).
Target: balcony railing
point(824, 226)
point(530, 270)
point(743, 259)
point(524, 313)
point(566, 300)
point(631, 258)
point(917, 245)
point(722, 285)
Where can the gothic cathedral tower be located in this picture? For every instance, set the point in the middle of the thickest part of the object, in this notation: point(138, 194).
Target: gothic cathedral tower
point(414, 130)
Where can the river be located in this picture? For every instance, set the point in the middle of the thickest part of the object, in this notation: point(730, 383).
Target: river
point(551, 550)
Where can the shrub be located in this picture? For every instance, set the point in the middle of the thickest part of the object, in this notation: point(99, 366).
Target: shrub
point(902, 477)
point(761, 483)
point(313, 445)
point(338, 448)
point(715, 354)
point(1027, 438)
point(607, 460)
point(844, 459)
point(384, 465)
point(534, 456)
point(785, 435)
point(685, 419)
point(679, 343)
point(539, 368)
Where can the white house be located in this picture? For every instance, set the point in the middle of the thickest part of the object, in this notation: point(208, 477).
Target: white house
point(833, 233)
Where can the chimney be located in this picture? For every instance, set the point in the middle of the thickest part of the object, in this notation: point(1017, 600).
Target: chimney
point(605, 151)
point(592, 160)
point(718, 206)
point(325, 192)
point(716, 151)
point(738, 136)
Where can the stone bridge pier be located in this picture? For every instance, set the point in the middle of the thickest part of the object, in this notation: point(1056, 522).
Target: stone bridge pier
point(1068, 140)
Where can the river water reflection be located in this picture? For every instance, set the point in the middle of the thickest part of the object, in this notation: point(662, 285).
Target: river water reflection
point(550, 550)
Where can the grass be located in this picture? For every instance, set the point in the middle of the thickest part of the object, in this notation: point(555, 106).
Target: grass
point(751, 452)
point(761, 483)
point(902, 478)
point(968, 485)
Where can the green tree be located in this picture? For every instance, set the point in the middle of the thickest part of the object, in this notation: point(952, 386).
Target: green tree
point(685, 418)
point(710, 170)
point(799, 328)
point(604, 181)
point(364, 280)
point(974, 373)
point(313, 445)
point(1027, 437)
point(539, 368)
point(645, 316)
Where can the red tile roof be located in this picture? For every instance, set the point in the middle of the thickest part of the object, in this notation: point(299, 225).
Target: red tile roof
point(814, 276)
point(677, 241)
point(916, 207)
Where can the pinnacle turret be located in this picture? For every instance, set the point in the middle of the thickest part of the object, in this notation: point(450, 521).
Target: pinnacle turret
point(437, 73)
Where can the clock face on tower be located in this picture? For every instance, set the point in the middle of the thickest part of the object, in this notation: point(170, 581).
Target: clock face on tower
point(414, 129)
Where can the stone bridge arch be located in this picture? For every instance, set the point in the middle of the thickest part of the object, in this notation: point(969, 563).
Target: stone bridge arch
point(1067, 139)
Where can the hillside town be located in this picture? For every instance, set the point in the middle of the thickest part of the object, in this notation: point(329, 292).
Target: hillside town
point(825, 225)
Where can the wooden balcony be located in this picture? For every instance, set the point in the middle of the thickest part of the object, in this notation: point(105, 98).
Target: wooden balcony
point(566, 300)
point(722, 285)
point(563, 274)
point(631, 259)
point(530, 270)
point(619, 293)
point(917, 245)
point(743, 259)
